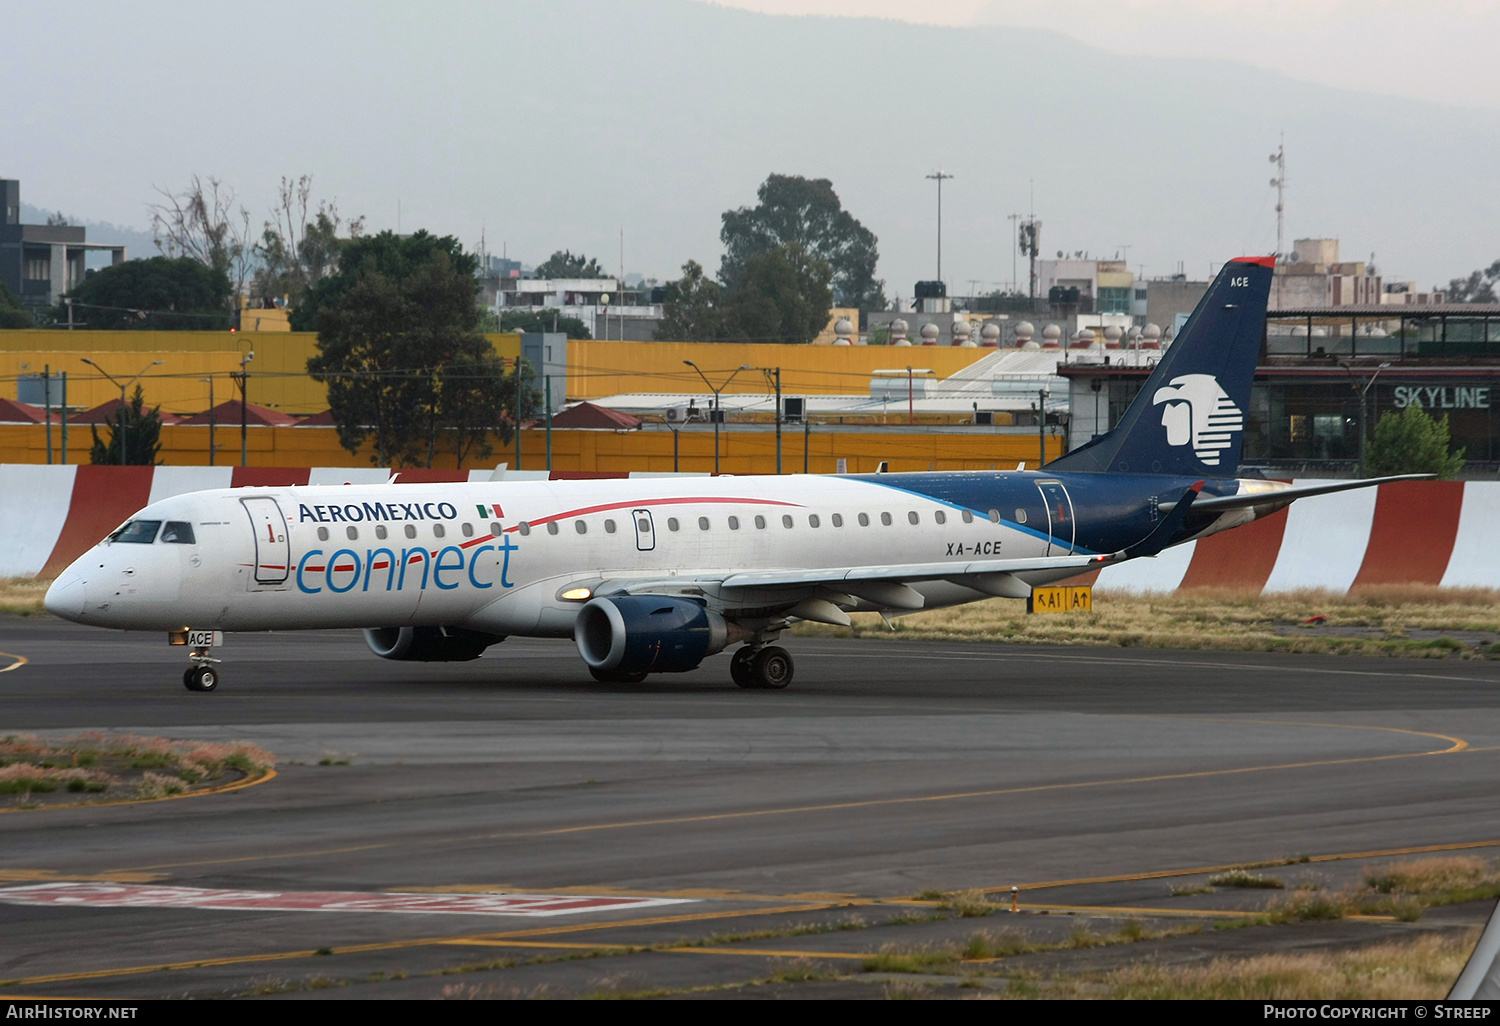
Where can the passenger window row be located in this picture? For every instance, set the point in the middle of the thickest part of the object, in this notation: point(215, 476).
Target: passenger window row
point(410, 530)
point(835, 519)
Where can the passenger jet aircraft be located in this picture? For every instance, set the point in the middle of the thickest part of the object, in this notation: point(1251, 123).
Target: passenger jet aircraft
point(654, 576)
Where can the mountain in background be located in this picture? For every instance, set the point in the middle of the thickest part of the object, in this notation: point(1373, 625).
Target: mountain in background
point(552, 126)
point(138, 244)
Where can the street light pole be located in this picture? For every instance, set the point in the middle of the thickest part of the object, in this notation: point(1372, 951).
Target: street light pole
point(1354, 383)
point(212, 419)
point(244, 382)
point(718, 410)
point(940, 177)
point(124, 432)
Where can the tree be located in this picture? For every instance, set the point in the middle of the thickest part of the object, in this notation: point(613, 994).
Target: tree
point(138, 427)
point(564, 264)
point(401, 354)
point(1411, 442)
point(541, 320)
point(162, 293)
point(807, 212)
point(691, 308)
point(12, 313)
point(782, 295)
point(1478, 287)
point(201, 223)
point(298, 247)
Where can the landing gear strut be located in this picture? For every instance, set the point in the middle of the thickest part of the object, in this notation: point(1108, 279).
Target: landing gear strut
point(201, 676)
point(768, 668)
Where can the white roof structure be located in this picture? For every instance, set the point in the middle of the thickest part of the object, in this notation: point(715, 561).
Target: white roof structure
point(1006, 380)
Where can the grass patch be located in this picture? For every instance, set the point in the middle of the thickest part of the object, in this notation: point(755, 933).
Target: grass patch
point(125, 764)
point(1311, 907)
point(968, 904)
point(985, 945)
point(1371, 621)
point(1246, 879)
point(22, 596)
point(1423, 968)
point(1438, 881)
point(1187, 890)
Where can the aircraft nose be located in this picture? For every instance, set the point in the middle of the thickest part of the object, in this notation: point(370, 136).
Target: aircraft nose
point(67, 595)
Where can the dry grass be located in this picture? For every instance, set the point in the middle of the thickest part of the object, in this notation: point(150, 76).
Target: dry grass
point(92, 762)
point(23, 595)
point(1245, 879)
point(1420, 969)
point(1437, 880)
point(1222, 620)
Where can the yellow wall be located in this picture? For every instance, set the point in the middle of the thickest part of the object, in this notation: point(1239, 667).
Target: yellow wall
point(175, 385)
point(278, 374)
point(741, 451)
point(597, 369)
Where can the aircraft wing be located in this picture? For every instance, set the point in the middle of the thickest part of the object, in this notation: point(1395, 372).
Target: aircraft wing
point(796, 590)
point(1220, 503)
point(903, 572)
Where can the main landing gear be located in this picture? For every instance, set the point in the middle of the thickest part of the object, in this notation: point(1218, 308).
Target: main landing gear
point(201, 676)
point(768, 668)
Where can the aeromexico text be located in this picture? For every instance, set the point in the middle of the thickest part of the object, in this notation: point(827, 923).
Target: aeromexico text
point(358, 512)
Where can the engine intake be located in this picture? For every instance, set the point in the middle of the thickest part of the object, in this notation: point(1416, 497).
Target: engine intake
point(648, 634)
point(429, 644)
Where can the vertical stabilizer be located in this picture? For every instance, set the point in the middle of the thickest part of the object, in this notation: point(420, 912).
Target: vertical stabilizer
point(1189, 418)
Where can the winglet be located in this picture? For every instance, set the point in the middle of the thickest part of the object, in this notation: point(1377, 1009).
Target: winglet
point(1167, 529)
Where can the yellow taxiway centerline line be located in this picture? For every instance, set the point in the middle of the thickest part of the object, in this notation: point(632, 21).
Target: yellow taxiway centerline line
point(19, 662)
point(238, 785)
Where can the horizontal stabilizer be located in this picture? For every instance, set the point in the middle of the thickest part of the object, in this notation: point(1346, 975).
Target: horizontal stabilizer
point(1220, 503)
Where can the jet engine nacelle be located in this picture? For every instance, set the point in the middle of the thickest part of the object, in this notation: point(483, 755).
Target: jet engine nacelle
point(648, 634)
point(428, 644)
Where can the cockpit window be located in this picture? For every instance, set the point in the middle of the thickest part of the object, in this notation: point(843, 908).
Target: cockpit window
point(137, 532)
point(178, 532)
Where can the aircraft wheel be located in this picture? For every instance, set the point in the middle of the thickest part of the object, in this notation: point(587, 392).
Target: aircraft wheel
point(772, 668)
point(200, 678)
point(739, 668)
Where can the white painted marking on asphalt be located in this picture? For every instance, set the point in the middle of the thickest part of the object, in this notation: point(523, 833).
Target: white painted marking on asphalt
point(107, 895)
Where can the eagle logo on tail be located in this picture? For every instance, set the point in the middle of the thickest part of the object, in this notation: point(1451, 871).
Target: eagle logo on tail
point(1198, 412)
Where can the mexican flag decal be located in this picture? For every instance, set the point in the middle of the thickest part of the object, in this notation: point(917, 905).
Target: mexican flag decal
point(484, 510)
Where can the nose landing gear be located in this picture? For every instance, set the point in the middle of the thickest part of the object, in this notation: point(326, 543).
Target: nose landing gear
point(201, 676)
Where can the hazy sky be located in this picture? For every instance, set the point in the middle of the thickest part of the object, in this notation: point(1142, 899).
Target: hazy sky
point(1141, 127)
point(1443, 50)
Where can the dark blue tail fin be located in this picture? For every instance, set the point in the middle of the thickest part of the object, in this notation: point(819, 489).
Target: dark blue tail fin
point(1189, 418)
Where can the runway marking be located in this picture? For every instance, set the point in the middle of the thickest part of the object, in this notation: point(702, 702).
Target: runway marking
point(20, 661)
point(1454, 745)
point(238, 785)
point(350, 949)
point(146, 896)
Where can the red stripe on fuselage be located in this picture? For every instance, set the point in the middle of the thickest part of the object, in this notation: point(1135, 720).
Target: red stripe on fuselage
point(648, 503)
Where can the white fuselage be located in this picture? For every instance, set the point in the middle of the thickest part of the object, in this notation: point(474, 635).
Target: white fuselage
point(497, 556)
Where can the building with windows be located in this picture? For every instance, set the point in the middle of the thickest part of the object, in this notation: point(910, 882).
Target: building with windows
point(1327, 374)
point(39, 262)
